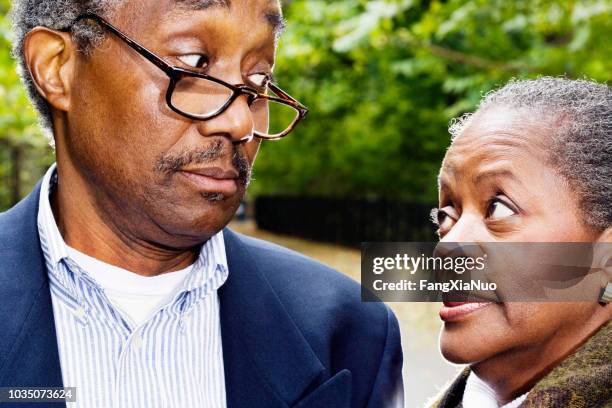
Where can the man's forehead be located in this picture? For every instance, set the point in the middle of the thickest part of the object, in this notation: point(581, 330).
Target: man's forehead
point(272, 13)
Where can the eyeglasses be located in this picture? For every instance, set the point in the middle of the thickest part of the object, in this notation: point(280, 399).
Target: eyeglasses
point(198, 96)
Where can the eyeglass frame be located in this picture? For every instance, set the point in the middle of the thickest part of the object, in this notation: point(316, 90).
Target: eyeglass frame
point(176, 74)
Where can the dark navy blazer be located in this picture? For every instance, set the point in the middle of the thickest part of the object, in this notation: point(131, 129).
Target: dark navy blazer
point(295, 332)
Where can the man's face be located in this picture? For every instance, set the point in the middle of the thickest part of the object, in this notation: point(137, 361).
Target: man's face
point(170, 180)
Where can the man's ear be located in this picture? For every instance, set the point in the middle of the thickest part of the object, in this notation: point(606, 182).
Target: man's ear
point(50, 57)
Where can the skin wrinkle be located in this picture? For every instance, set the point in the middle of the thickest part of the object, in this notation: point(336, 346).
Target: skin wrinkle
point(274, 18)
point(502, 149)
point(172, 163)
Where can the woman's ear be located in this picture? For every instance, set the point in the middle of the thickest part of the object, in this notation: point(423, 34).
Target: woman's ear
point(49, 56)
point(603, 258)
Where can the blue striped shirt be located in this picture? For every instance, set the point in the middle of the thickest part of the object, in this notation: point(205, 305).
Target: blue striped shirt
point(173, 359)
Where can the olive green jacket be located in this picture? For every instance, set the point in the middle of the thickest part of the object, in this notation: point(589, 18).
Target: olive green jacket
point(582, 380)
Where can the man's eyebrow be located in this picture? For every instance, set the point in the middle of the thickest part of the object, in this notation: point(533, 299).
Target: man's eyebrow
point(203, 4)
point(277, 21)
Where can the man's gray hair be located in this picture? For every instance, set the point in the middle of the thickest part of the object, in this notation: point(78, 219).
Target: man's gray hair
point(581, 139)
point(59, 15)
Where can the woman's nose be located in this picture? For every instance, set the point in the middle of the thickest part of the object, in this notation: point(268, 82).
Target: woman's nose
point(468, 228)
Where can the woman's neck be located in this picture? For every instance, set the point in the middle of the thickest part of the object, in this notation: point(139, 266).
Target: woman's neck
point(515, 372)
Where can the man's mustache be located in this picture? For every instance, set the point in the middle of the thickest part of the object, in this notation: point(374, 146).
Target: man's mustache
point(171, 163)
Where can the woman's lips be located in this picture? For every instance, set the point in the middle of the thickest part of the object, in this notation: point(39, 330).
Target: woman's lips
point(452, 311)
point(223, 183)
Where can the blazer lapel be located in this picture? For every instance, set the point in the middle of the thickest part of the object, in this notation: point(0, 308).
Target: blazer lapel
point(268, 362)
point(28, 344)
point(335, 392)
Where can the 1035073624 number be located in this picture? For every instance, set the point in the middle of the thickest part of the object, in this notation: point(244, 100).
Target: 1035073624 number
point(37, 394)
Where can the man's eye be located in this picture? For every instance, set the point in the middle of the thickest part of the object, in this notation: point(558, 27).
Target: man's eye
point(194, 60)
point(259, 80)
point(498, 209)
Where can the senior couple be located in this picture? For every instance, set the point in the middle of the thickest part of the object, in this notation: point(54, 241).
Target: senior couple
point(119, 276)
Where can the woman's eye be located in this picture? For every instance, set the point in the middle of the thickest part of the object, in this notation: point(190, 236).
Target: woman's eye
point(259, 80)
point(443, 219)
point(498, 209)
point(194, 60)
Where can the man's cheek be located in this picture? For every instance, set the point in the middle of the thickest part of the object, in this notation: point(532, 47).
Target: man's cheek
point(252, 149)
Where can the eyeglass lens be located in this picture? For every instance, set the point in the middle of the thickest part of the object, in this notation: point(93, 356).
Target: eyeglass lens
point(202, 98)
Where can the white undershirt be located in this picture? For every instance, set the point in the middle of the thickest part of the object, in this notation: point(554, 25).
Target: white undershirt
point(478, 394)
point(135, 295)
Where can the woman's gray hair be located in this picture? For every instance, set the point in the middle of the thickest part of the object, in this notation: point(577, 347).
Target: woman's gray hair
point(59, 15)
point(581, 148)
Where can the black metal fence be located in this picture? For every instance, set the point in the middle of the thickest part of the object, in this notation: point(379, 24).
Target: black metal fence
point(344, 221)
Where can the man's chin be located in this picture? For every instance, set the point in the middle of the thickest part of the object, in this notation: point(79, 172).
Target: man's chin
point(195, 224)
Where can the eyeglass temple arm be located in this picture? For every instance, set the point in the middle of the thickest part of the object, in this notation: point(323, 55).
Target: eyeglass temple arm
point(278, 91)
point(139, 48)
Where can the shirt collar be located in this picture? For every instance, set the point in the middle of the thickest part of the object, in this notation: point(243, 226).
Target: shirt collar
point(478, 393)
point(53, 245)
point(210, 270)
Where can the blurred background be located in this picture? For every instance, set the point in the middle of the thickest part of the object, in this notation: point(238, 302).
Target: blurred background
point(382, 79)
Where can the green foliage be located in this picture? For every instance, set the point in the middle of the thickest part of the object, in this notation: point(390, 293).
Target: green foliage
point(383, 78)
point(24, 151)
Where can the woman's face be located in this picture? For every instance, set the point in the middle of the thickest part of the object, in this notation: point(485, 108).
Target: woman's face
point(496, 186)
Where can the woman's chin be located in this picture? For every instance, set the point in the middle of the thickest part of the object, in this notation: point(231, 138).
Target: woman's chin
point(458, 352)
point(475, 337)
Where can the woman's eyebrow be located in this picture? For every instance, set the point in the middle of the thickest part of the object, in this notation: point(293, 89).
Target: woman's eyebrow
point(495, 173)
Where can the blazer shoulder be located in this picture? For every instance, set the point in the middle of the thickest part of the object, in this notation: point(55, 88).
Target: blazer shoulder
point(9, 228)
point(281, 266)
point(19, 223)
point(302, 282)
point(327, 308)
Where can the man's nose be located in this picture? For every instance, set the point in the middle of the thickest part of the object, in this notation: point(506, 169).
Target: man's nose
point(236, 122)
